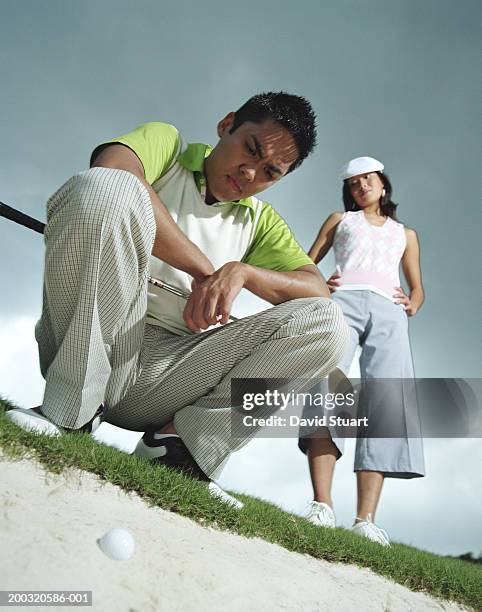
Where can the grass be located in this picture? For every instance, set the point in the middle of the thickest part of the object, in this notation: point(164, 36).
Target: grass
point(438, 576)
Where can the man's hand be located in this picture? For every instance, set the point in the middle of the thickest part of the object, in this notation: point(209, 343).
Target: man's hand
point(212, 299)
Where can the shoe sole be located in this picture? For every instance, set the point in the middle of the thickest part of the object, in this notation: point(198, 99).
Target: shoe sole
point(33, 422)
point(320, 524)
point(215, 491)
point(149, 452)
point(380, 541)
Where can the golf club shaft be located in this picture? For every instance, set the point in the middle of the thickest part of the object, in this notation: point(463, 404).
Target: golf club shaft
point(37, 226)
point(19, 217)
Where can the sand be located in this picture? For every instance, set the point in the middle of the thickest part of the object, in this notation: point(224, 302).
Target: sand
point(48, 541)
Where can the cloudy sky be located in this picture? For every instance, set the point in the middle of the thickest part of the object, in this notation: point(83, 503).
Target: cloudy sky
point(393, 79)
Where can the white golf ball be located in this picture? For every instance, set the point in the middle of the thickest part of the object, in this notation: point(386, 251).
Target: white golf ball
point(117, 543)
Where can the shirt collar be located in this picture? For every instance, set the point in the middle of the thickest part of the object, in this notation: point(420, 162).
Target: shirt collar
point(193, 159)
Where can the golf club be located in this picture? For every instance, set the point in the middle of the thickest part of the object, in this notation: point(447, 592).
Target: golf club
point(37, 226)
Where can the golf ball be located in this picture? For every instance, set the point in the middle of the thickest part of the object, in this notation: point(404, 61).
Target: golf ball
point(117, 543)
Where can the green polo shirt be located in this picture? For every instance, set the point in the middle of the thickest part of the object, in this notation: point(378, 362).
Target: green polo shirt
point(157, 146)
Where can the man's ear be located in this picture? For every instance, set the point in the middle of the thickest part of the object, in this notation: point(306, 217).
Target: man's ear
point(225, 124)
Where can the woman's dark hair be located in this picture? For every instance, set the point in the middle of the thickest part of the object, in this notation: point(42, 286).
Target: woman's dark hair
point(388, 207)
point(292, 112)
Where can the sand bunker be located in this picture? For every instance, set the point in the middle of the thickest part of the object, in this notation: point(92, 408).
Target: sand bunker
point(48, 535)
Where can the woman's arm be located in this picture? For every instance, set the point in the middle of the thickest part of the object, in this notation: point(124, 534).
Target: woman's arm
point(324, 240)
point(413, 274)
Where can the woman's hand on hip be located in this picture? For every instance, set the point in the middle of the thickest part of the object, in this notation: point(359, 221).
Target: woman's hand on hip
point(402, 298)
point(333, 282)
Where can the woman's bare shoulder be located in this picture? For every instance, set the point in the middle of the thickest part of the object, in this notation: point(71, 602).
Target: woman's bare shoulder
point(412, 238)
point(335, 218)
point(410, 233)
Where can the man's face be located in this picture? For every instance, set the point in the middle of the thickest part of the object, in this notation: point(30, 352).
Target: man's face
point(248, 161)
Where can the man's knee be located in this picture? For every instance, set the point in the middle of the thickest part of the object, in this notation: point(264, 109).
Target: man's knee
point(339, 333)
point(324, 320)
point(101, 195)
point(319, 313)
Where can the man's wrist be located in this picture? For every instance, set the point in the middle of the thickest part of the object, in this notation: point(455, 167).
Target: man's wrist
point(246, 272)
point(200, 275)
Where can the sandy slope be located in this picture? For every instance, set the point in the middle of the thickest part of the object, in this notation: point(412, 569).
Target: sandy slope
point(48, 535)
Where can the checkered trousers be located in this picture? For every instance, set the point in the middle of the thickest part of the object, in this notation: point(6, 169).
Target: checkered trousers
point(95, 346)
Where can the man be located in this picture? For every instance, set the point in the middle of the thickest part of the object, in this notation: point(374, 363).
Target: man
point(152, 205)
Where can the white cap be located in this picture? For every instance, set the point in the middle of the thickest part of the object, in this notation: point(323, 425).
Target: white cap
point(360, 165)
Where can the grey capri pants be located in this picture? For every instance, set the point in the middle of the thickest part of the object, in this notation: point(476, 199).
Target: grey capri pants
point(380, 327)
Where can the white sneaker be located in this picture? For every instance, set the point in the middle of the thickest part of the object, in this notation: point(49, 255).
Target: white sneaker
point(216, 491)
point(31, 419)
point(368, 529)
point(321, 514)
point(170, 450)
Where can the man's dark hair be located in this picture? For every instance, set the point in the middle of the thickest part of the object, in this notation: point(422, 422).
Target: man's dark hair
point(292, 112)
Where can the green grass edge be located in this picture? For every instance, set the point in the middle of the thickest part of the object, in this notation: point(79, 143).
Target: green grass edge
point(441, 577)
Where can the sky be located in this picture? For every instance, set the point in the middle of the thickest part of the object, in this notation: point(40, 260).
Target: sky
point(393, 79)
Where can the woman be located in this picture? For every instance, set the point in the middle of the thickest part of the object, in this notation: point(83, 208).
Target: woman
point(369, 244)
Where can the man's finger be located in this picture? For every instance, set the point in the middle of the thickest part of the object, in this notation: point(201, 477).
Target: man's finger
point(211, 309)
point(198, 314)
point(196, 320)
point(187, 315)
point(225, 306)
